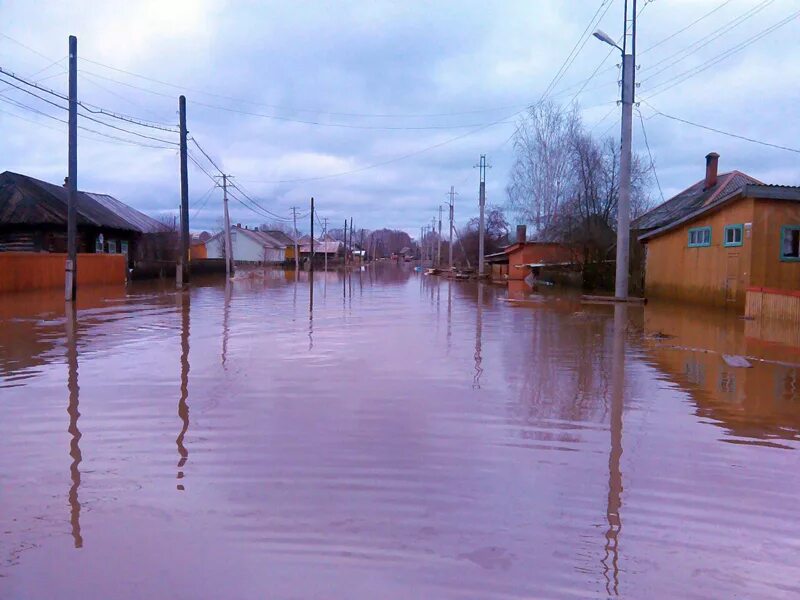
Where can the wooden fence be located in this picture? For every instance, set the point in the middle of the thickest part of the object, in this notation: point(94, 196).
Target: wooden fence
point(23, 271)
point(773, 304)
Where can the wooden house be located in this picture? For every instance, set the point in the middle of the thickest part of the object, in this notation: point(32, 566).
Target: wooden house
point(727, 240)
point(252, 246)
point(523, 257)
point(33, 218)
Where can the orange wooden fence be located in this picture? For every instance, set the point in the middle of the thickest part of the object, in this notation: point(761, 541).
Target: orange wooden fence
point(23, 271)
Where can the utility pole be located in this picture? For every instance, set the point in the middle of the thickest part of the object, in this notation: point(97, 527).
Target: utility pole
point(439, 241)
point(361, 243)
point(183, 263)
point(71, 268)
point(345, 243)
point(351, 238)
point(227, 222)
point(482, 220)
point(452, 209)
point(312, 234)
point(624, 204)
point(324, 240)
point(296, 248)
point(433, 241)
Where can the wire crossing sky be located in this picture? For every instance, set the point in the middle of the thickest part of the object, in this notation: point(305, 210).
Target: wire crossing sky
point(375, 109)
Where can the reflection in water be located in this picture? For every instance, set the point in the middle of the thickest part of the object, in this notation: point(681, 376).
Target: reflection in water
point(311, 310)
point(614, 472)
point(183, 406)
point(476, 380)
point(226, 310)
point(382, 475)
point(74, 415)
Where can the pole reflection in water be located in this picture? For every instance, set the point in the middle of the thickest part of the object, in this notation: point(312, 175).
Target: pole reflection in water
point(476, 380)
point(611, 571)
point(183, 406)
point(311, 310)
point(226, 310)
point(449, 314)
point(74, 415)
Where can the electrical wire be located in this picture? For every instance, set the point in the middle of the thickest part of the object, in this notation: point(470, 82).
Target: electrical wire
point(90, 107)
point(686, 28)
point(705, 40)
point(142, 135)
point(18, 104)
point(203, 201)
point(689, 73)
point(650, 154)
point(727, 133)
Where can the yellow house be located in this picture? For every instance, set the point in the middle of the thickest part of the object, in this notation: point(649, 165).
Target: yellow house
point(727, 240)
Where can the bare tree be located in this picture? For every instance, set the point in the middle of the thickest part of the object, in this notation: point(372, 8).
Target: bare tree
point(565, 184)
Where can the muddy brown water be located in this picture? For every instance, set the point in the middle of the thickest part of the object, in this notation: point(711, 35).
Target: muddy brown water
point(392, 435)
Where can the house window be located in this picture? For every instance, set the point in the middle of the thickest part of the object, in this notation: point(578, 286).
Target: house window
point(699, 236)
point(98, 244)
point(790, 242)
point(734, 234)
point(111, 246)
point(123, 247)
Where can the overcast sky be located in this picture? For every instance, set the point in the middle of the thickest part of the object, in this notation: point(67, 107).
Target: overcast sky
point(404, 95)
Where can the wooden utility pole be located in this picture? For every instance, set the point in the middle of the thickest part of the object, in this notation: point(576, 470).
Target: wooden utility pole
point(312, 234)
point(345, 242)
point(452, 210)
point(227, 225)
point(296, 247)
point(351, 240)
point(324, 240)
point(71, 270)
point(183, 262)
point(439, 241)
point(364, 255)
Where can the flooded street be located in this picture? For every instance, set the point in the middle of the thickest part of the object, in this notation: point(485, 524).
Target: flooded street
point(390, 435)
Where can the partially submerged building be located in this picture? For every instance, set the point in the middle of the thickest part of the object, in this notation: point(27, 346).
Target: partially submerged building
point(33, 218)
point(251, 246)
point(726, 240)
point(523, 258)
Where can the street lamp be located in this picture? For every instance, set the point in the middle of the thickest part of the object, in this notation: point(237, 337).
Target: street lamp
point(624, 202)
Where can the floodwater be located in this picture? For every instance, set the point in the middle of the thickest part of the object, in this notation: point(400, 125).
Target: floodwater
point(390, 435)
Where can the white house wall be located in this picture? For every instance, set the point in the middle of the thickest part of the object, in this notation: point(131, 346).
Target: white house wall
point(245, 249)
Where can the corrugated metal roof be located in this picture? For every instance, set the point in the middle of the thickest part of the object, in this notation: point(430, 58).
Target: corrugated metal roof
point(692, 199)
point(28, 201)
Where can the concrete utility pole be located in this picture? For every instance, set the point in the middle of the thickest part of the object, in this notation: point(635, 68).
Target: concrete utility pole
point(624, 202)
point(452, 209)
point(325, 240)
point(312, 235)
point(482, 220)
point(296, 247)
point(227, 224)
point(183, 262)
point(71, 267)
point(351, 236)
point(361, 243)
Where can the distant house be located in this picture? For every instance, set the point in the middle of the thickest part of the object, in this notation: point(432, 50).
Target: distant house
point(251, 245)
point(517, 261)
point(33, 218)
point(726, 240)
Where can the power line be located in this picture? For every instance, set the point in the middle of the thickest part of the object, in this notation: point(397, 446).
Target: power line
point(35, 95)
point(392, 160)
point(689, 73)
point(727, 133)
point(706, 40)
point(24, 106)
point(687, 27)
point(575, 49)
point(650, 154)
point(90, 107)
